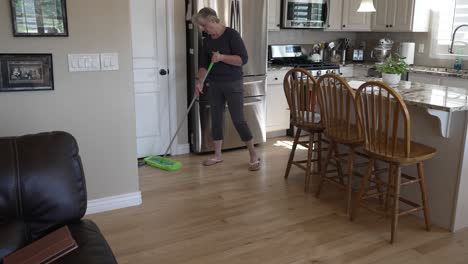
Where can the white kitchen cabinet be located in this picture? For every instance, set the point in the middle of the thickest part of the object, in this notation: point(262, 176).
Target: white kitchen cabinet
point(352, 20)
point(401, 16)
point(385, 14)
point(335, 15)
point(343, 16)
point(277, 113)
point(274, 7)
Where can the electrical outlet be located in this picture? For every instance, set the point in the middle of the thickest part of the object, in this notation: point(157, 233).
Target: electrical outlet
point(421, 48)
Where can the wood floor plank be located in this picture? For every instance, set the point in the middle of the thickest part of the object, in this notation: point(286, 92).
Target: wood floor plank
point(227, 214)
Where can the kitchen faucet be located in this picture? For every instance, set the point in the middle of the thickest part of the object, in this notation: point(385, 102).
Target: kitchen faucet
point(453, 37)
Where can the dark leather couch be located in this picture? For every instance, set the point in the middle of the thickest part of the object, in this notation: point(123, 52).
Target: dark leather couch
point(42, 188)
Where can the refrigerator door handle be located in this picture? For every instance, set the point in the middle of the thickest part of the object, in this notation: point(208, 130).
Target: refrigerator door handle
point(254, 82)
point(254, 102)
point(232, 15)
point(239, 17)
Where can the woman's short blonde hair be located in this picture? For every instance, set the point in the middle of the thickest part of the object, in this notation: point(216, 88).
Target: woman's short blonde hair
point(205, 15)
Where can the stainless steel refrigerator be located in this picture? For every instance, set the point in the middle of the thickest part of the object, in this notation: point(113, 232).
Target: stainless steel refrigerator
point(249, 18)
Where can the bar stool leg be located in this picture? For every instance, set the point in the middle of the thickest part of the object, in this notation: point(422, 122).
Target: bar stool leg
point(293, 150)
point(338, 164)
point(324, 169)
point(309, 162)
point(396, 209)
point(319, 152)
point(362, 189)
point(389, 188)
point(378, 183)
point(422, 185)
point(349, 187)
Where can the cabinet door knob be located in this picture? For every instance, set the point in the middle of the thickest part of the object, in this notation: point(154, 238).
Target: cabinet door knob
point(276, 78)
point(391, 25)
point(328, 25)
point(386, 26)
point(344, 25)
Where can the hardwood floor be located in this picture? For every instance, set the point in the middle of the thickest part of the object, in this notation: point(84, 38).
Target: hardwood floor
point(226, 214)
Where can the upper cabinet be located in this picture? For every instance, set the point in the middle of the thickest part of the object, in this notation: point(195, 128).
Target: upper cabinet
point(343, 16)
point(401, 16)
point(334, 17)
point(391, 16)
point(274, 8)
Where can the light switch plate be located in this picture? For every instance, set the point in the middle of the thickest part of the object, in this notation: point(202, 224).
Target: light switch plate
point(84, 62)
point(421, 48)
point(109, 61)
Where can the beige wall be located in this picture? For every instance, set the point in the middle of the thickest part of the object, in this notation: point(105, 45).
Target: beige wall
point(96, 107)
point(181, 67)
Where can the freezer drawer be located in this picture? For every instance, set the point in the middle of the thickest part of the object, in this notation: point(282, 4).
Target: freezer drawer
point(254, 112)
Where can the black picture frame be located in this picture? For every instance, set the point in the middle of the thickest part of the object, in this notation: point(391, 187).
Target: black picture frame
point(39, 18)
point(26, 72)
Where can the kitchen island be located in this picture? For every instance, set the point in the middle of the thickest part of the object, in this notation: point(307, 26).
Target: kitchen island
point(439, 118)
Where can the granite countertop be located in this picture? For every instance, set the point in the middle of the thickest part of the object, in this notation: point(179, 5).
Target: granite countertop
point(438, 97)
point(446, 72)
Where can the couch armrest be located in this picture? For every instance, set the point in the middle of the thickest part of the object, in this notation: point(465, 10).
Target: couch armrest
point(92, 246)
point(12, 238)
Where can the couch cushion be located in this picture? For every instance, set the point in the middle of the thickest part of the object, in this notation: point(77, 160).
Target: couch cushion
point(41, 182)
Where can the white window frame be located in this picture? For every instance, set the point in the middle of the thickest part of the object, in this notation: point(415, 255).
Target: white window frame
point(443, 16)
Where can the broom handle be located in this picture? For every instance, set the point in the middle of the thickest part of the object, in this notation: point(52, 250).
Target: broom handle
point(188, 111)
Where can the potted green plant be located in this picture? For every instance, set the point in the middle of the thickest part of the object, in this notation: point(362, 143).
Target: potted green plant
point(392, 69)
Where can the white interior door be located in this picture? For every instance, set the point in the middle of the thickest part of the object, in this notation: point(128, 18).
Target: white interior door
point(150, 60)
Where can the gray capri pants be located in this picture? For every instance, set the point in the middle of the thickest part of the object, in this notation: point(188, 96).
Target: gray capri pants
point(233, 93)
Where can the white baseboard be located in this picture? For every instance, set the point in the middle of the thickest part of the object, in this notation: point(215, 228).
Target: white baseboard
point(182, 149)
point(113, 202)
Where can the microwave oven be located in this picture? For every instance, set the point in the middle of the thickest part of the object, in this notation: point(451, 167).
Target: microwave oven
point(303, 13)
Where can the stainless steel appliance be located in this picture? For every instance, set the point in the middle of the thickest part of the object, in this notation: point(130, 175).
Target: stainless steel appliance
point(358, 55)
point(292, 55)
point(249, 18)
point(381, 52)
point(303, 13)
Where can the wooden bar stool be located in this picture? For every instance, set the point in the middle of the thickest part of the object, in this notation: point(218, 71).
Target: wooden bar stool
point(338, 112)
point(380, 109)
point(299, 88)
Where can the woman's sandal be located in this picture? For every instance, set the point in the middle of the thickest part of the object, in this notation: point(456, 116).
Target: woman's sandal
point(211, 161)
point(254, 166)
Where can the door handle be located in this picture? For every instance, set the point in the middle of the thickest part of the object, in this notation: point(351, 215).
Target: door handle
point(163, 72)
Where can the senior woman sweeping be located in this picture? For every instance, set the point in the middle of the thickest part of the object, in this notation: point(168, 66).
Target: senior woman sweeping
point(224, 46)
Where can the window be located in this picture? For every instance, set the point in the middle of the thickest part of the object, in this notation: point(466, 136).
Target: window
point(448, 16)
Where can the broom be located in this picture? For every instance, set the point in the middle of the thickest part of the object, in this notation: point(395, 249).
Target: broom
point(163, 162)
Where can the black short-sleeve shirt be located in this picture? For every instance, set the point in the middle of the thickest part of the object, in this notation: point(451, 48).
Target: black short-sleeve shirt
point(229, 43)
